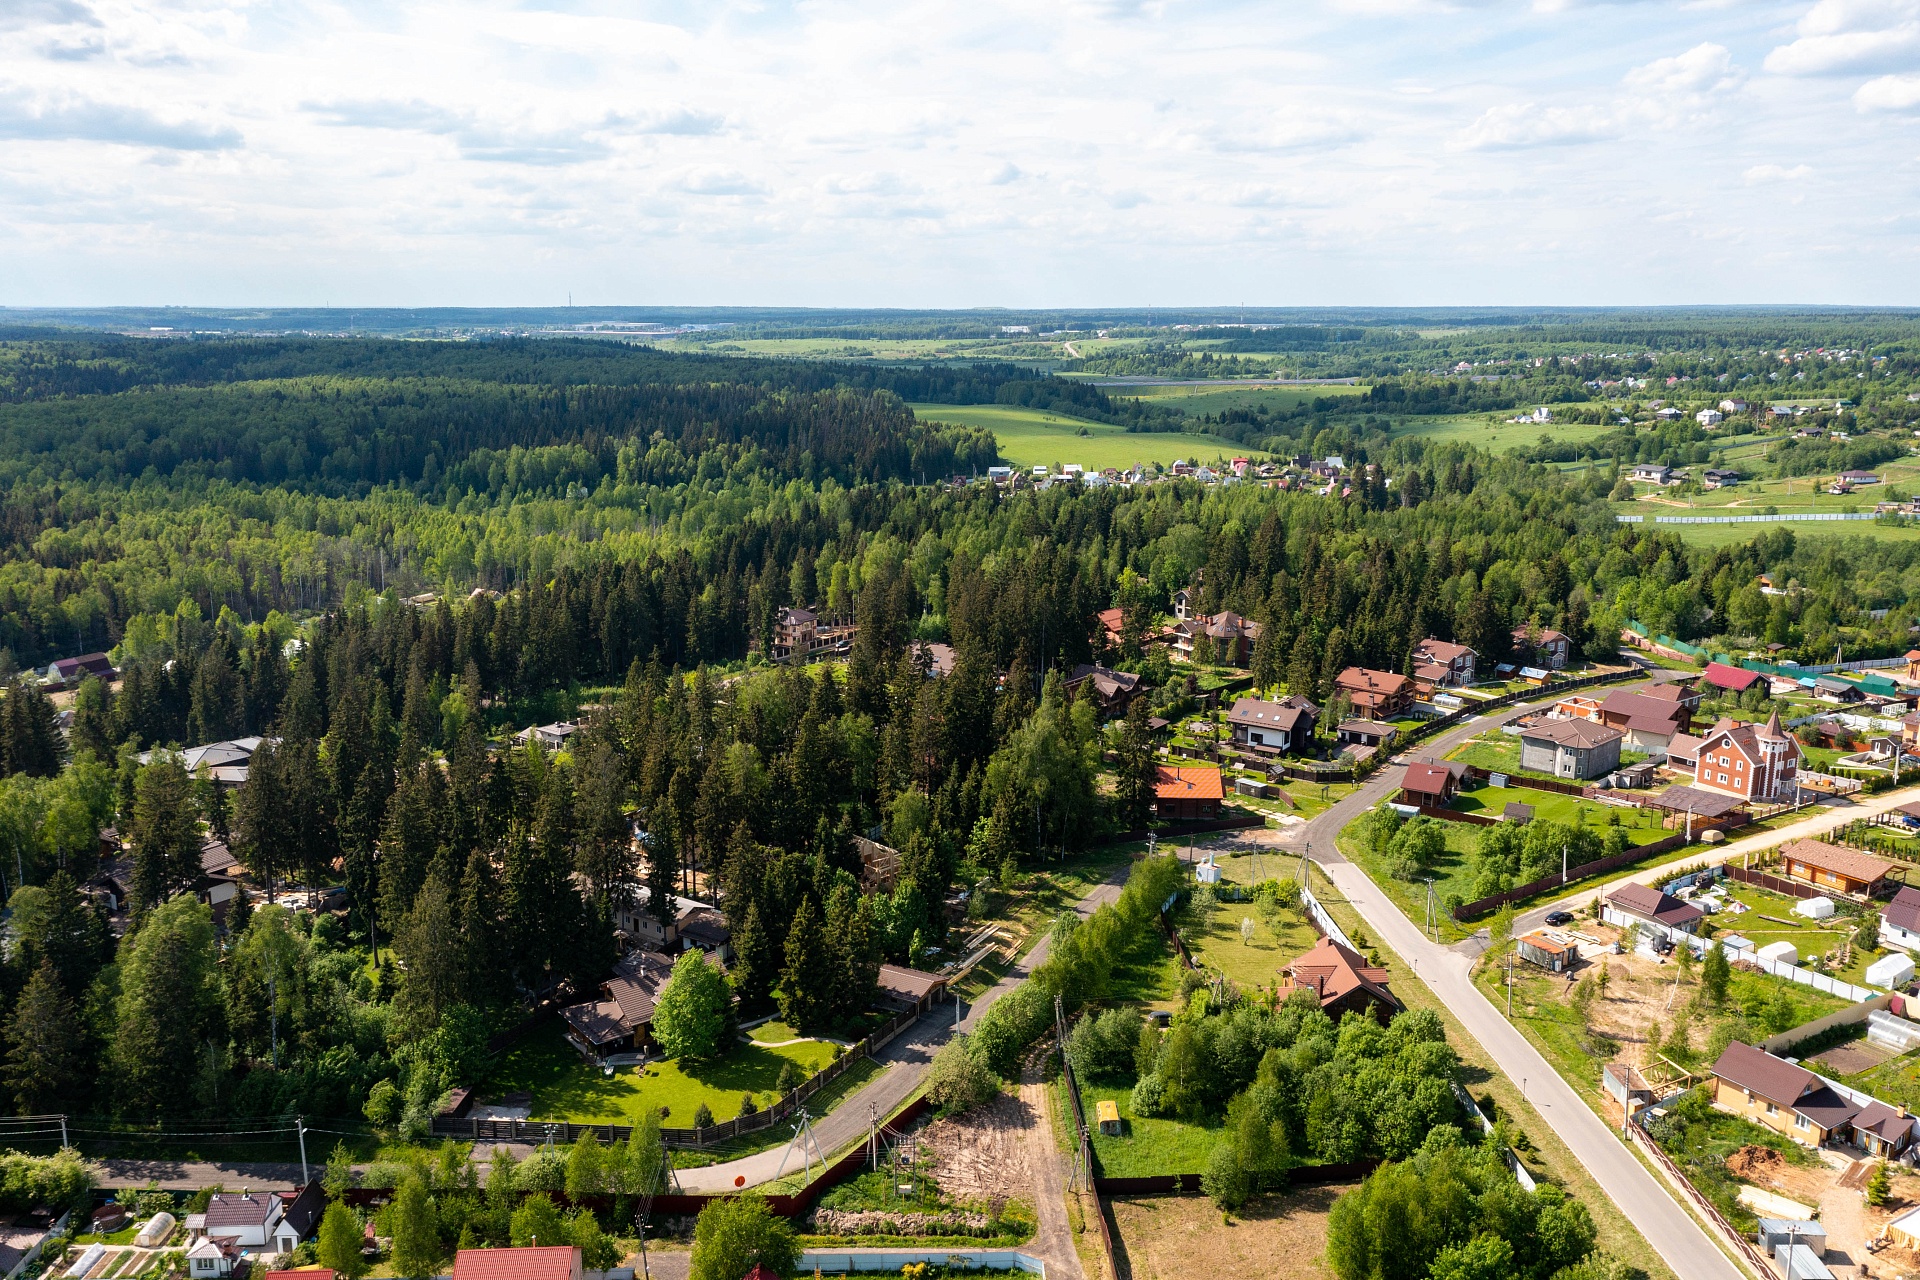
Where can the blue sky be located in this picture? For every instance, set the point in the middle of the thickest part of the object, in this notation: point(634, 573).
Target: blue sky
point(993, 152)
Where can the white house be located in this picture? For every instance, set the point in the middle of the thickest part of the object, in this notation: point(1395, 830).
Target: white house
point(252, 1221)
point(1708, 417)
point(1900, 921)
point(211, 1258)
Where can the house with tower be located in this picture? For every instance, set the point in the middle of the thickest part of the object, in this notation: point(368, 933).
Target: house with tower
point(1759, 763)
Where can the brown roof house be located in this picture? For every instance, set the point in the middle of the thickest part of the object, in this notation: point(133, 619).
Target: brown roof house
point(1341, 979)
point(1755, 1085)
point(1231, 634)
point(1832, 869)
point(1648, 722)
point(1439, 663)
point(1542, 646)
point(1431, 785)
point(1376, 695)
point(1110, 690)
point(621, 1020)
point(1570, 748)
point(1187, 795)
point(1634, 904)
point(1272, 727)
point(1754, 762)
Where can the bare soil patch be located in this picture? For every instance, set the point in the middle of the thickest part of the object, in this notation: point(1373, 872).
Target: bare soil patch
point(1851, 1059)
point(1767, 1168)
point(983, 1155)
point(1179, 1237)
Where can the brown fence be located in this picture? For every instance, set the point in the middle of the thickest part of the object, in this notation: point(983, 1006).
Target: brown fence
point(1534, 784)
point(1174, 830)
point(1613, 862)
point(1085, 1138)
point(1456, 815)
point(1188, 1184)
point(1748, 1254)
point(474, 1129)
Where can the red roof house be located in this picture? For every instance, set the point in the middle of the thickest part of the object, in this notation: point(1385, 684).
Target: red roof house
point(1431, 785)
point(1340, 979)
point(1187, 795)
point(1734, 679)
point(544, 1262)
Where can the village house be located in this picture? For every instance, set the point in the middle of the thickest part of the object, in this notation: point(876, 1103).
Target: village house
point(1232, 637)
point(1365, 733)
point(1186, 794)
point(693, 926)
point(1752, 763)
point(1577, 749)
point(1554, 954)
point(1577, 707)
point(621, 1019)
point(1635, 904)
point(1431, 786)
point(537, 1262)
point(68, 673)
point(1442, 663)
point(1111, 623)
point(1341, 979)
point(1542, 646)
point(1648, 722)
point(224, 763)
point(1280, 726)
point(1731, 679)
point(1832, 869)
point(1754, 1085)
point(1900, 921)
point(903, 989)
point(1183, 602)
point(252, 1222)
point(1110, 690)
point(1376, 695)
point(799, 635)
point(554, 737)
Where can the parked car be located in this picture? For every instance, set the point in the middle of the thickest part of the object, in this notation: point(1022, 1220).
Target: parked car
point(1558, 918)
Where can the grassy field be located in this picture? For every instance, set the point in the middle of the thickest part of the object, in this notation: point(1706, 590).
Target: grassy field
point(1034, 437)
point(1196, 400)
point(1494, 432)
point(1810, 937)
point(1177, 1237)
point(1145, 1148)
point(1549, 806)
point(1216, 942)
point(566, 1088)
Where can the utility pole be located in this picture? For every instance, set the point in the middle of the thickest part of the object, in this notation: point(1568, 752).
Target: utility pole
point(273, 1021)
point(1563, 863)
point(300, 1125)
point(63, 1132)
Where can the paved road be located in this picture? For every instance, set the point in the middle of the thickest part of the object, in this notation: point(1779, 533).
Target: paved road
point(196, 1175)
point(1821, 818)
point(1674, 1233)
point(906, 1062)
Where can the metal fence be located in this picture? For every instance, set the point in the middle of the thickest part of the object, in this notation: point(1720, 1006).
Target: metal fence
point(1750, 1255)
point(1324, 921)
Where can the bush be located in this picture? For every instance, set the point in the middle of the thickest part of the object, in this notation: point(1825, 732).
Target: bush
point(1149, 1097)
point(1225, 1181)
point(957, 1080)
point(732, 1236)
point(703, 1117)
point(1101, 1046)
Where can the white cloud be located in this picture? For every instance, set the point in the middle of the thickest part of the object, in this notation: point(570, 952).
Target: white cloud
point(1761, 173)
point(1705, 68)
point(1521, 125)
point(718, 180)
point(1838, 37)
point(68, 118)
point(1889, 93)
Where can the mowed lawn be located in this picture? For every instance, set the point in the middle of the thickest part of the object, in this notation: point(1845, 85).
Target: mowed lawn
point(1550, 806)
point(1145, 1148)
point(1497, 435)
point(564, 1087)
point(1035, 437)
point(1196, 400)
point(1216, 942)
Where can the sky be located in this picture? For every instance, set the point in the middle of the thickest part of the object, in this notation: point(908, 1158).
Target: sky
point(976, 153)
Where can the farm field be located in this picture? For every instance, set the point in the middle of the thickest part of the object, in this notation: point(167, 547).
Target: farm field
point(1177, 1237)
point(876, 349)
point(1196, 400)
point(565, 1088)
point(1035, 437)
point(1493, 431)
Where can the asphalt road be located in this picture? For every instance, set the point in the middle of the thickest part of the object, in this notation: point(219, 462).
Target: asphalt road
point(1673, 1233)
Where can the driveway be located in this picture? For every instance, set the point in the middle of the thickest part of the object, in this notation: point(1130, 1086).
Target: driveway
point(906, 1062)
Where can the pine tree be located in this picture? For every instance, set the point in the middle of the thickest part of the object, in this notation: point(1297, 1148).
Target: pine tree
point(416, 1234)
point(806, 982)
point(265, 835)
point(755, 959)
point(44, 1058)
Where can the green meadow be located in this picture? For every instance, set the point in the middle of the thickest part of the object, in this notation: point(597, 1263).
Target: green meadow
point(1036, 437)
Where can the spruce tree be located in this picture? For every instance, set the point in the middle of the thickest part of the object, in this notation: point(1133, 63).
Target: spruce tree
point(806, 981)
point(265, 835)
point(165, 834)
point(755, 959)
point(45, 1061)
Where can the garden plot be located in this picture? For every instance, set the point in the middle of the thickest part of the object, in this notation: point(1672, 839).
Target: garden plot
point(982, 1156)
point(1177, 1237)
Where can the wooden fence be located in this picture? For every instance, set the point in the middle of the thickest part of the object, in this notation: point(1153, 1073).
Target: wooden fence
point(1751, 1256)
point(1599, 866)
point(1532, 784)
point(1188, 1184)
point(475, 1129)
point(1457, 815)
point(1174, 830)
point(1794, 889)
point(1085, 1138)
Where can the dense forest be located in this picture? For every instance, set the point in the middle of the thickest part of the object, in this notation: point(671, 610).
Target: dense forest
point(244, 526)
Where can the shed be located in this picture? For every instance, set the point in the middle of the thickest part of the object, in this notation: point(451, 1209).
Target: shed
point(155, 1232)
point(1626, 1085)
point(1781, 952)
point(1108, 1114)
point(1800, 1263)
point(1774, 1232)
point(1547, 951)
point(1891, 971)
point(1905, 1229)
point(1814, 908)
point(1517, 812)
point(1252, 787)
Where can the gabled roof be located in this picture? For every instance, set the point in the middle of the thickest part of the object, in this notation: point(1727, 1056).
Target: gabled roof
point(228, 1210)
point(1851, 863)
point(542, 1263)
point(1187, 784)
point(913, 985)
point(1365, 680)
point(1763, 1075)
point(1579, 734)
point(1331, 971)
point(1442, 650)
point(1722, 676)
point(1107, 682)
point(1670, 690)
point(1904, 911)
point(1261, 714)
point(1648, 902)
point(1427, 779)
point(1890, 1124)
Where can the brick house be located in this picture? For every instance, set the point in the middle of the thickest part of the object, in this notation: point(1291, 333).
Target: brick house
point(1376, 695)
point(1752, 763)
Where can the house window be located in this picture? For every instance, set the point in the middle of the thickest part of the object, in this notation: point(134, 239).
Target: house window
point(1772, 1110)
point(1800, 1122)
